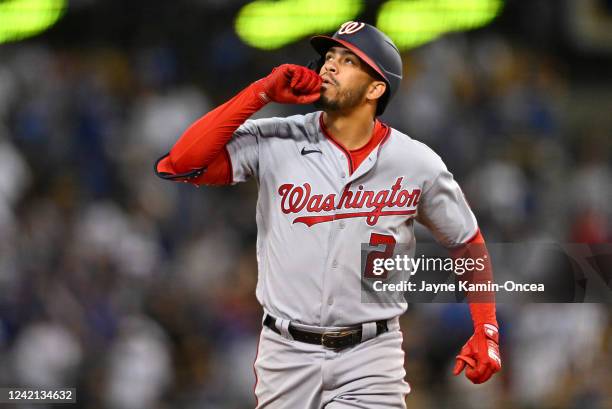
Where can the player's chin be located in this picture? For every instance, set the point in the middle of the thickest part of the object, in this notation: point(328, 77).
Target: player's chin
point(325, 102)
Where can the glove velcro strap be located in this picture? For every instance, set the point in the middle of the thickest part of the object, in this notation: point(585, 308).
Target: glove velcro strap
point(491, 332)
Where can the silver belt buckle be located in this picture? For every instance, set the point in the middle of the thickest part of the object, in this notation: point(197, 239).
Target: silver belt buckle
point(329, 339)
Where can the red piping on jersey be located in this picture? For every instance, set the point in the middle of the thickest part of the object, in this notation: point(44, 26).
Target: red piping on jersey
point(356, 156)
point(379, 133)
point(338, 144)
point(386, 137)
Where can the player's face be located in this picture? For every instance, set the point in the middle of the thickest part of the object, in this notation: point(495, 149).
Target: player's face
point(346, 80)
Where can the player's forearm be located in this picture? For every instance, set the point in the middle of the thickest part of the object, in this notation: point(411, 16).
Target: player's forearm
point(482, 303)
point(483, 313)
point(480, 355)
point(204, 139)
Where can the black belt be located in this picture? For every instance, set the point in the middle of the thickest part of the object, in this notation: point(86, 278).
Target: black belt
point(329, 339)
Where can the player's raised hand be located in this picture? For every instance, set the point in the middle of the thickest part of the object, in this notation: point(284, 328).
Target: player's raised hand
point(290, 84)
point(480, 355)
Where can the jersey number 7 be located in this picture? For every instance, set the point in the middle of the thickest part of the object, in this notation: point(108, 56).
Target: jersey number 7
point(377, 240)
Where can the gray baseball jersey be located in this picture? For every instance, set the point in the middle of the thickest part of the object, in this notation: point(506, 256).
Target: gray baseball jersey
point(314, 211)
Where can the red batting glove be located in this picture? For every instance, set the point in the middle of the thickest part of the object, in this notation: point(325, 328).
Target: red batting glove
point(290, 84)
point(480, 353)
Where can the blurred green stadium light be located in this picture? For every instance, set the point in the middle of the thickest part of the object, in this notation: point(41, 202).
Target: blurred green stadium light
point(411, 23)
point(270, 25)
point(24, 18)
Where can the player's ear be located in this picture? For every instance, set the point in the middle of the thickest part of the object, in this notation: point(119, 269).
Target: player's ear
point(376, 90)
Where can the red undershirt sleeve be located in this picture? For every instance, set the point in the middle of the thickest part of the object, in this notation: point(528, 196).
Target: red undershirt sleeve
point(219, 172)
point(199, 156)
point(482, 303)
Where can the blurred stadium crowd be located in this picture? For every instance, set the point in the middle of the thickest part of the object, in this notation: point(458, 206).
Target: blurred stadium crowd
point(140, 293)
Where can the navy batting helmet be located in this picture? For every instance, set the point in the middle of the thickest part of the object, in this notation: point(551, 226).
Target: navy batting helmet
point(373, 47)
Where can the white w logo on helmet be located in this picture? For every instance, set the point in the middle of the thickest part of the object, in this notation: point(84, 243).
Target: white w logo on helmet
point(350, 27)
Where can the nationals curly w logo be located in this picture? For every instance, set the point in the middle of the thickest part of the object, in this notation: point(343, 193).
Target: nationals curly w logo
point(350, 27)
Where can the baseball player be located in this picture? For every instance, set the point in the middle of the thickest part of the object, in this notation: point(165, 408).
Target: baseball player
point(328, 181)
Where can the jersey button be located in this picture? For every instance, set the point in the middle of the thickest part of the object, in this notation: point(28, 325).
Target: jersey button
point(334, 264)
point(330, 300)
point(341, 225)
point(343, 175)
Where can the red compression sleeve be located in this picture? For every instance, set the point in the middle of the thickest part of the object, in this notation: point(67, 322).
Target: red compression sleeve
point(218, 173)
point(482, 303)
point(202, 142)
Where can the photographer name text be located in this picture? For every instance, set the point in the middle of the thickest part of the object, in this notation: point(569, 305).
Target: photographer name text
point(462, 285)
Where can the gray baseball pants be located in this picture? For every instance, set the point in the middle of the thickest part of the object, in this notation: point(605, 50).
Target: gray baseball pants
point(297, 375)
